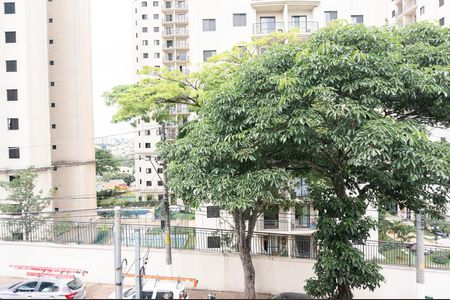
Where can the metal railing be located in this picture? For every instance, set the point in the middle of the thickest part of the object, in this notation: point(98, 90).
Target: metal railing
point(270, 27)
point(304, 27)
point(201, 239)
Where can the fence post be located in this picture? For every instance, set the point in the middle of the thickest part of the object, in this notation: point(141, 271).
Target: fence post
point(78, 234)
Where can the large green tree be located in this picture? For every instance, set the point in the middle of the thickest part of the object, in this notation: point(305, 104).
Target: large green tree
point(25, 203)
point(347, 109)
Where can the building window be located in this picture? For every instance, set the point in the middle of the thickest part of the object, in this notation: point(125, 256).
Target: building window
point(155, 16)
point(12, 95)
point(13, 124)
point(10, 8)
point(148, 170)
point(160, 170)
point(160, 183)
point(50, 20)
point(144, 3)
point(54, 147)
point(330, 16)
point(156, 42)
point(271, 217)
point(441, 3)
point(53, 105)
point(148, 183)
point(300, 22)
point(207, 54)
point(10, 37)
point(358, 19)
point(53, 126)
point(145, 43)
point(52, 83)
point(239, 20)
point(442, 21)
point(155, 3)
point(157, 55)
point(11, 66)
point(422, 10)
point(144, 29)
point(147, 132)
point(145, 55)
point(148, 145)
point(14, 152)
point(213, 212)
point(393, 13)
point(144, 17)
point(140, 181)
point(213, 242)
point(155, 29)
point(50, 42)
point(209, 24)
point(52, 63)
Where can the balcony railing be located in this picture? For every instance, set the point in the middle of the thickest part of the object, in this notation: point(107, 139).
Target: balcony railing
point(176, 46)
point(181, 58)
point(175, 21)
point(176, 32)
point(302, 27)
point(174, 6)
point(268, 28)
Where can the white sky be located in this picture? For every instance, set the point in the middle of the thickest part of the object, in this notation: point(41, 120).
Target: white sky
point(112, 58)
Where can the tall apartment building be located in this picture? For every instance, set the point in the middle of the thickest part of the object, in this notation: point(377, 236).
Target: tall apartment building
point(404, 12)
point(182, 34)
point(46, 98)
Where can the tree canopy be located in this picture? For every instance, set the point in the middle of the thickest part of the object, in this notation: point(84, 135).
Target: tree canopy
point(105, 162)
point(348, 110)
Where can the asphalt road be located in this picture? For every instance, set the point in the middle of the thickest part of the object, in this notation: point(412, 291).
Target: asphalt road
point(102, 291)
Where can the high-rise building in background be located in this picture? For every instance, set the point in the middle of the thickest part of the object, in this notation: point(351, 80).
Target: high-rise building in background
point(46, 98)
point(404, 12)
point(182, 34)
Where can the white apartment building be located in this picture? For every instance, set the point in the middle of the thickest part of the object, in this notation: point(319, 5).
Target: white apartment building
point(182, 34)
point(46, 98)
point(404, 12)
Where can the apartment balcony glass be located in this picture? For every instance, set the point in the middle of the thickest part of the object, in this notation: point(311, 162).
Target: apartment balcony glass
point(174, 6)
point(268, 27)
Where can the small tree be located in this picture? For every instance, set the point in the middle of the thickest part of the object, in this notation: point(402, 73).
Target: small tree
point(105, 162)
point(25, 204)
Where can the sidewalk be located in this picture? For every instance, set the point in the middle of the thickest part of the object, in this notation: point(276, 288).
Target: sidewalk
point(102, 291)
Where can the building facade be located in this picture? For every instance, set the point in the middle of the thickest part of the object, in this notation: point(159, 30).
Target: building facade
point(46, 98)
point(182, 34)
point(404, 12)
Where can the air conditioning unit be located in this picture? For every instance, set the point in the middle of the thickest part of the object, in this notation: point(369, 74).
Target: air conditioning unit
point(280, 30)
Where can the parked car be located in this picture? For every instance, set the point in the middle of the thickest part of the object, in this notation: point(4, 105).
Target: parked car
point(45, 288)
point(291, 296)
point(157, 289)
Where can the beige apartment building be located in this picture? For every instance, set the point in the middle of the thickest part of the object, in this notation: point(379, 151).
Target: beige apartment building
point(46, 98)
point(404, 12)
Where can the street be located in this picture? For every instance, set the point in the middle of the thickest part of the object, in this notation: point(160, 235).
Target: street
point(102, 291)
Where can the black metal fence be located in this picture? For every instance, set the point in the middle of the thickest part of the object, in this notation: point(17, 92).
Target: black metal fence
point(200, 239)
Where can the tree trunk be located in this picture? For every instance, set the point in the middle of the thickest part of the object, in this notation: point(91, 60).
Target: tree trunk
point(345, 292)
point(244, 246)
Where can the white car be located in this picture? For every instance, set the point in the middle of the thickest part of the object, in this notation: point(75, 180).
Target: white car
point(45, 288)
point(157, 289)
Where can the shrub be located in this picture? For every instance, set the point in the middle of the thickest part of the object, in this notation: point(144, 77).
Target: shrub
point(441, 257)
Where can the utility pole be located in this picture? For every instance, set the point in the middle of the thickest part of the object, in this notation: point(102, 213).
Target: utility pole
point(420, 257)
point(167, 239)
point(117, 253)
point(137, 261)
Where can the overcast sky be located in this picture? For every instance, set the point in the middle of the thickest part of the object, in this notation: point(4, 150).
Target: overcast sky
point(112, 57)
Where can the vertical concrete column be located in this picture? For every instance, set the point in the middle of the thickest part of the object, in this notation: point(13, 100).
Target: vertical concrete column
point(286, 17)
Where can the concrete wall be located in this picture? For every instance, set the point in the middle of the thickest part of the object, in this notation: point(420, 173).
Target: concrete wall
point(214, 271)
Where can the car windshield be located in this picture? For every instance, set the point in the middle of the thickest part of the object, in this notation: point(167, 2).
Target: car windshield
point(14, 285)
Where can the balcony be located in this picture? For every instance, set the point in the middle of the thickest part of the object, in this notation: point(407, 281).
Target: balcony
point(278, 5)
point(178, 59)
point(177, 46)
point(410, 8)
point(175, 33)
point(180, 21)
point(174, 6)
point(268, 28)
